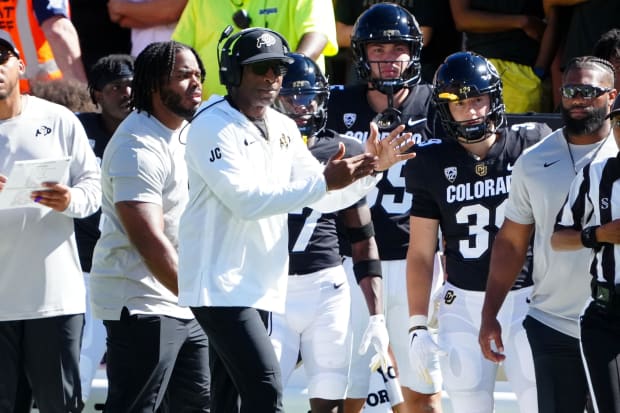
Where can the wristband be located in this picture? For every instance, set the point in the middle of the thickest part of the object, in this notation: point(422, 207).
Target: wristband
point(588, 237)
point(418, 322)
point(366, 268)
point(360, 233)
point(378, 317)
point(414, 328)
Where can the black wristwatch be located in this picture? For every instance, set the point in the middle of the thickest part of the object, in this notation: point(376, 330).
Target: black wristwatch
point(588, 237)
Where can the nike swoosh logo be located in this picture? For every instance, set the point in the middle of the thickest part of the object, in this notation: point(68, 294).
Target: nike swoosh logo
point(248, 143)
point(414, 335)
point(548, 164)
point(412, 122)
point(336, 286)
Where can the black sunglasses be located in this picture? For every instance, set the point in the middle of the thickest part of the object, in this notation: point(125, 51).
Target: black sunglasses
point(5, 55)
point(586, 91)
point(261, 68)
point(242, 19)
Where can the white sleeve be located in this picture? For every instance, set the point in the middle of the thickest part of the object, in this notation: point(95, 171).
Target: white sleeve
point(519, 206)
point(347, 196)
point(84, 172)
point(214, 153)
point(305, 163)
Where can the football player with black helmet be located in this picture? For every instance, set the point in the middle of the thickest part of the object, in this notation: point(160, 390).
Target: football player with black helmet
point(386, 44)
point(317, 315)
point(460, 184)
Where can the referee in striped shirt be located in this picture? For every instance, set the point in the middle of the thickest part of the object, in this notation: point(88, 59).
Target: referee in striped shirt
point(590, 218)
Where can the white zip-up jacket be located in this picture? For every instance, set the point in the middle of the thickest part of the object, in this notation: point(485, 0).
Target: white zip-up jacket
point(233, 239)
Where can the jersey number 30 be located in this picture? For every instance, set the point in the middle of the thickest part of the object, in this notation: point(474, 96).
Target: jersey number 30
point(478, 241)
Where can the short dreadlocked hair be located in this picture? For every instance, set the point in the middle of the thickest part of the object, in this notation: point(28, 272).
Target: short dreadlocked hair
point(153, 70)
point(107, 69)
point(592, 63)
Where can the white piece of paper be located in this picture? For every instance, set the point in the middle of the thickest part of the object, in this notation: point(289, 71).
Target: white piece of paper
point(28, 176)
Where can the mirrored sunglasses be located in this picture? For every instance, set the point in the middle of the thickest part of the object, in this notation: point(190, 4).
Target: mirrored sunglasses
point(586, 91)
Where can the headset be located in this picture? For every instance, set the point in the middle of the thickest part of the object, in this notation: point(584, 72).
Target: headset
point(228, 56)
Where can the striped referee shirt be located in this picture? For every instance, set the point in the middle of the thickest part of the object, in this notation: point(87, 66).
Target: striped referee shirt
point(594, 199)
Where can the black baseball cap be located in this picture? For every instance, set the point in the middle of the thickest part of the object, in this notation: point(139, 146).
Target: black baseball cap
point(258, 45)
point(615, 108)
point(7, 40)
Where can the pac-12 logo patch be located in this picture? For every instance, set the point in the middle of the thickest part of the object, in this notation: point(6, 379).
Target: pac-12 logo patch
point(450, 173)
point(349, 119)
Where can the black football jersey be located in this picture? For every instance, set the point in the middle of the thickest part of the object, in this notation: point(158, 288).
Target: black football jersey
point(87, 229)
point(349, 113)
point(468, 197)
point(313, 239)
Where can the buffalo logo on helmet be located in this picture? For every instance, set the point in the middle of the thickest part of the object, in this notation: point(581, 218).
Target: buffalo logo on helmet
point(464, 90)
point(301, 84)
point(450, 173)
point(391, 32)
point(349, 119)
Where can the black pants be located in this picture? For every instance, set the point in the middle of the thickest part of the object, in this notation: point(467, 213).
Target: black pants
point(242, 360)
point(561, 383)
point(600, 342)
point(156, 362)
point(48, 351)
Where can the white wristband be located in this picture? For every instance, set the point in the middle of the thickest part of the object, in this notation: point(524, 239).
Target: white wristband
point(378, 318)
point(418, 320)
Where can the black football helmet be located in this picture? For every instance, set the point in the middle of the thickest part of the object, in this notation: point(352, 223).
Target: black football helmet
point(304, 95)
point(464, 75)
point(387, 23)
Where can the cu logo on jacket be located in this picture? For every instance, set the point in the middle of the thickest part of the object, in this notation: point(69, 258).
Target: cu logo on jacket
point(43, 130)
point(449, 297)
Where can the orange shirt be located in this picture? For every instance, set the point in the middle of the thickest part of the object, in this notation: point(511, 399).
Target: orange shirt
point(18, 18)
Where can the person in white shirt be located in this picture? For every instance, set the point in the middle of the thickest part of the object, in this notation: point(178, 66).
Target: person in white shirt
point(42, 295)
point(248, 167)
point(157, 354)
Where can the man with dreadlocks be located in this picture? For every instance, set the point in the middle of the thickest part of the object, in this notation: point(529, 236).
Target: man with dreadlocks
point(157, 353)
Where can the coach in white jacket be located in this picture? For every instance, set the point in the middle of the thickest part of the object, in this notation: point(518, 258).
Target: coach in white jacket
point(248, 166)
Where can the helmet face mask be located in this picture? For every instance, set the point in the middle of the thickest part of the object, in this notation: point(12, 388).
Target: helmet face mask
point(466, 75)
point(387, 23)
point(303, 96)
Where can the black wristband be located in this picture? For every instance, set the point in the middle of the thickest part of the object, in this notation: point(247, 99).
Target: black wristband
point(367, 268)
point(360, 233)
point(588, 237)
point(414, 328)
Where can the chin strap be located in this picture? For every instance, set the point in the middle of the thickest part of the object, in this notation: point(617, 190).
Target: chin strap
point(391, 117)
